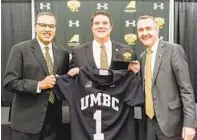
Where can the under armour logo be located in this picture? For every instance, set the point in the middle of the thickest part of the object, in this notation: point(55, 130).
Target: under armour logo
point(88, 84)
point(46, 6)
point(71, 23)
point(128, 23)
point(161, 6)
point(99, 6)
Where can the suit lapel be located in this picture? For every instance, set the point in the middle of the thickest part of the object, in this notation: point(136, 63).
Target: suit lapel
point(143, 67)
point(158, 58)
point(89, 54)
point(143, 64)
point(56, 57)
point(37, 52)
point(90, 57)
point(114, 52)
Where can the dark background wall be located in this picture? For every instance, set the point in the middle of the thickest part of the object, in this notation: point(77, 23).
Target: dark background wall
point(124, 13)
point(15, 27)
point(185, 33)
point(74, 26)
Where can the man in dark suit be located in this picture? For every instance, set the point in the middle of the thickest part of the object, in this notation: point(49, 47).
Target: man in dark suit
point(91, 53)
point(30, 74)
point(101, 51)
point(169, 103)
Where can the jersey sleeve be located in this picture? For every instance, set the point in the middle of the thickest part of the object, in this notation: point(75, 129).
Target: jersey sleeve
point(64, 87)
point(134, 92)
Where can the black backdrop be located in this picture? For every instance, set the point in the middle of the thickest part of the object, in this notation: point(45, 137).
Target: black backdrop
point(185, 33)
point(16, 22)
point(16, 26)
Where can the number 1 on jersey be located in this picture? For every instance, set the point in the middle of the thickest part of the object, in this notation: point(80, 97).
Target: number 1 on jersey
point(97, 117)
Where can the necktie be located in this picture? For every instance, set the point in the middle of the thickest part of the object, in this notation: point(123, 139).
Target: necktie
point(50, 69)
point(103, 59)
point(148, 86)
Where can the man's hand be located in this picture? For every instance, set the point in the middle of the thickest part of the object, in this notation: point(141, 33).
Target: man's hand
point(47, 82)
point(188, 133)
point(74, 71)
point(134, 66)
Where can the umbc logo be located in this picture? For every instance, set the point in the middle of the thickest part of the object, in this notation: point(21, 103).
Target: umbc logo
point(130, 39)
point(73, 5)
point(160, 22)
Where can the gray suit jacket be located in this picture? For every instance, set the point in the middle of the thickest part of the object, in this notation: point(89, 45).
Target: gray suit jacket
point(83, 55)
point(173, 96)
point(26, 66)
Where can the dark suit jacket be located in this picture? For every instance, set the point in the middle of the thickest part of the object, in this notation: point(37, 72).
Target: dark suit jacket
point(83, 55)
point(26, 66)
point(173, 96)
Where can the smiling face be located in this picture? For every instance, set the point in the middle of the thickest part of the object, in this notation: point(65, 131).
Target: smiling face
point(101, 28)
point(45, 28)
point(148, 32)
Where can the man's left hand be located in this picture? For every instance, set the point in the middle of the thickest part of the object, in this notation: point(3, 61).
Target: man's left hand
point(188, 133)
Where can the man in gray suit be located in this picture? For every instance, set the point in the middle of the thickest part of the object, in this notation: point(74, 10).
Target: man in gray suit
point(91, 53)
point(169, 104)
point(30, 74)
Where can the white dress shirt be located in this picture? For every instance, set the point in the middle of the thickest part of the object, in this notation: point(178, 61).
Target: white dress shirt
point(97, 51)
point(42, 46)
point(153, 56)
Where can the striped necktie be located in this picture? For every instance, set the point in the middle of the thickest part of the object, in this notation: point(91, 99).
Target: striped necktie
point(50, 69)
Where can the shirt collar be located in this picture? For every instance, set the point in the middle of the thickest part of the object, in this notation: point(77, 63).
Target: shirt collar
point(155, 46)
point(108, 43)
point(42, 46)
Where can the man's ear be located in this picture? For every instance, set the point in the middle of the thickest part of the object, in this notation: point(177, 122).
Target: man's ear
point(111, 27)
point(34, 27)
point(157, 28)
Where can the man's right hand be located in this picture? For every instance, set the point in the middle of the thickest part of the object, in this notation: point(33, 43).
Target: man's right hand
point(74, 71)
point(134, 66)
point(47, 82)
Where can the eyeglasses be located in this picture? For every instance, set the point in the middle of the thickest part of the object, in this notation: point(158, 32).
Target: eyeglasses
point(43, 25)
